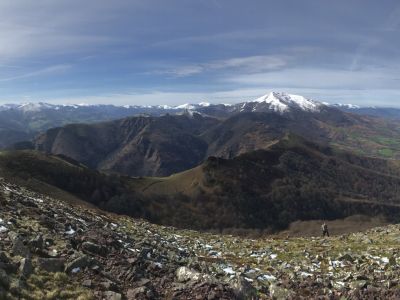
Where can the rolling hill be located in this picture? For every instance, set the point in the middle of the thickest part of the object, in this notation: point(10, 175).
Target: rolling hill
point(294, 179)
point(133, 146)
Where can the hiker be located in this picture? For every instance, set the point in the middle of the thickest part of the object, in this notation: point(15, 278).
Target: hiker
point(325, 231)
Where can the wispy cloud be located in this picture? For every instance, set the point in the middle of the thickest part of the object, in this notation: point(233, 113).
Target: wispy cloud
point(21, 42)
point(56, 69)
point(320, 78)
point(249, 64)
point(49, 28)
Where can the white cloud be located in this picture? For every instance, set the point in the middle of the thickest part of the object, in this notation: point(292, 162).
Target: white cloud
point(249, 64)
point(31, 29)
point(317, 78)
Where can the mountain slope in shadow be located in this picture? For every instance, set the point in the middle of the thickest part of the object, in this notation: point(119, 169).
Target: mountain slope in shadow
point(266, 189)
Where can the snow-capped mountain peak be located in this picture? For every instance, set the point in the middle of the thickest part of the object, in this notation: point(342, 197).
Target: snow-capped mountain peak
point(204, 104)
point(185, 106)
point(283, 102)
point(33, 107)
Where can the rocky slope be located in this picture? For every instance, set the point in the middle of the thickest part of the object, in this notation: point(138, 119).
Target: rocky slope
point(55, 250)
point(52, 250)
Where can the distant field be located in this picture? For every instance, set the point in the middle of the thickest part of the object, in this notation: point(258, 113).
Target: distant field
point(350, 224)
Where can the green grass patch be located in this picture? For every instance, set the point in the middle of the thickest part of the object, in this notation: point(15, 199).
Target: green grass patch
point(386, 152)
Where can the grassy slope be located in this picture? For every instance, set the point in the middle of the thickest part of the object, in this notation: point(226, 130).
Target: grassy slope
point(44, 174)
point(189, 182)
point(293, 180)
point(303, 176)
point(373, 137)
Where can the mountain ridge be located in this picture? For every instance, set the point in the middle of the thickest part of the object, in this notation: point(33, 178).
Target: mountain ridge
point(294, 179)
point(20, 122)
point(173, 143)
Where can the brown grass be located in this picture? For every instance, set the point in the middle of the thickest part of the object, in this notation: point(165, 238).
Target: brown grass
point(350, 224)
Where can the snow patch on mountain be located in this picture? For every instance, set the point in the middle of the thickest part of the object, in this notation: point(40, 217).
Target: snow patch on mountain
point(283, 102)
point(32, 107)
point(348, 106)
point(185, 106)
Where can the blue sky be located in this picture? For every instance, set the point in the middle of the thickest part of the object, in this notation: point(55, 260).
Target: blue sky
point(173, 52)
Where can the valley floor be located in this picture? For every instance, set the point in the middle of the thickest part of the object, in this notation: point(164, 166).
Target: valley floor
point(53, 250)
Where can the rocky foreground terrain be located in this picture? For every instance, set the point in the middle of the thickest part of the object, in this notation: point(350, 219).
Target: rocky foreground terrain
point(53, 250)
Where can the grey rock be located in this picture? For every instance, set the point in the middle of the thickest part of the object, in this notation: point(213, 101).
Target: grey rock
point(135, 293)
point(19, 248)
point(108, 285)
point(4, 279)
point(36, 243)
point(359, 284)
point(80, 262)
point(51, 264)
point(110, 295)
point(26, 267)
point(93, 248)
point(212, 295)
point(87, 283)
point(392, 261)
point(243, 289)
point(4, 258)
point(279, 293)
point(185, 274)
point(346, 257)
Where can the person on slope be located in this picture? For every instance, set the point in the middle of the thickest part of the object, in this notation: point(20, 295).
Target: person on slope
point(324, 229)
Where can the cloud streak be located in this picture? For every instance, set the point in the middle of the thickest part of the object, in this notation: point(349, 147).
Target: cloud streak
point(51, 70)
point(250, 64)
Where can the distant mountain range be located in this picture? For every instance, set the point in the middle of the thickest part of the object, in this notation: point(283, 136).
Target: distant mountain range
point(226, 130)
point(20, 122)
point(257, 164)
point(274, 101)
point(166, 144)
point(382, 112)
